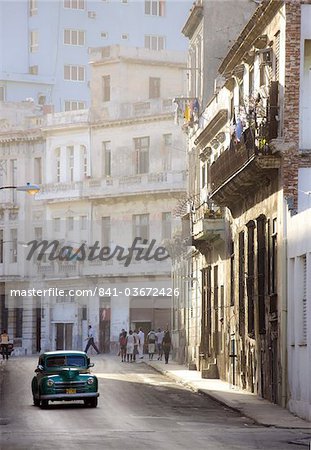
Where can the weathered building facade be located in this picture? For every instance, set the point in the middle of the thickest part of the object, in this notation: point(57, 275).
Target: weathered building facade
point(251, 150)
point(109, 175)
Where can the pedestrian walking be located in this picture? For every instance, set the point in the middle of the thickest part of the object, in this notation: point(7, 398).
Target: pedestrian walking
point(90, 340)
point(136, 343)
point(130, 346)
point(151, 343)
point(167, 344)
point(122, 343)
point(5, 344)
point(159, 340)
point(141, 336)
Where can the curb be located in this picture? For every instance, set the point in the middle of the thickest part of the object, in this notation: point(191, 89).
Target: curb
point(222, 402)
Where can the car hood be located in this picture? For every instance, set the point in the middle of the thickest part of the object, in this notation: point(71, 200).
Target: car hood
point(68, 373)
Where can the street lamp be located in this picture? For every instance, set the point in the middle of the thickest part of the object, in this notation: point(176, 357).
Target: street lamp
point(31, 189)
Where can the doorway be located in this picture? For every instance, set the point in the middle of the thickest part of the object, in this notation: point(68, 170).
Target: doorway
point(64, 336)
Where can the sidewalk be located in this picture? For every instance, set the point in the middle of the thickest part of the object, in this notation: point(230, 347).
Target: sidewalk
point(247, 404)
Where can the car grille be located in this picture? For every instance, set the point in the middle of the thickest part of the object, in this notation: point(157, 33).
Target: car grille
point(60, 386)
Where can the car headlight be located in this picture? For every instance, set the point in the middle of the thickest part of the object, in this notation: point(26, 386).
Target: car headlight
point(50, 383)
point(90, 381)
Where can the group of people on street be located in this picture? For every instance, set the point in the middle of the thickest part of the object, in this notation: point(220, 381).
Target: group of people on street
point(132, 344)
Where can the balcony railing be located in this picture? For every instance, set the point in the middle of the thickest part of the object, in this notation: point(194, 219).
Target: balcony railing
point(208, 223)
point(111, 186)
point(241, 167)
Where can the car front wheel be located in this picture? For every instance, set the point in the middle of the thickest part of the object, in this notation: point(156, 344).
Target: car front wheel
point(44, 404)
point(91, 402)
point(36, 401)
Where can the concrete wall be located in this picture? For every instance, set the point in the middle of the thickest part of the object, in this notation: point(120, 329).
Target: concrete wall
point(299, 357)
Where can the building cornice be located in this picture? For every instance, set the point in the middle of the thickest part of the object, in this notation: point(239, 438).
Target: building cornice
point(260, 19)
point(209, 132)
point(21, 135)
point(193, 21)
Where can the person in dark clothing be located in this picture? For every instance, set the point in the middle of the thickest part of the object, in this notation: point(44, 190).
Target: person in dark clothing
point(166, 345)
point(90, 340)
point(5, 344)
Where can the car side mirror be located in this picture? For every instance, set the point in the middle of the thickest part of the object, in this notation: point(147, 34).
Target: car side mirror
point(90, 365)
point(39, 368)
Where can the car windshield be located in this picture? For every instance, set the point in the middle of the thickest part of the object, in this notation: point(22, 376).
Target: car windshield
point(66, 361)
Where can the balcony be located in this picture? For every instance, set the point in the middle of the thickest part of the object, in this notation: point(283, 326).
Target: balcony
point(208, 225)
point(114, 186)
point(242, 168)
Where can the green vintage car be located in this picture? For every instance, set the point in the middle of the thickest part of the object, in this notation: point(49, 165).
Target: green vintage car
point(64, 375)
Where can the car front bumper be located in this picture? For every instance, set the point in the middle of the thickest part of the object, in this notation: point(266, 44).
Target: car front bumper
point(69, 397)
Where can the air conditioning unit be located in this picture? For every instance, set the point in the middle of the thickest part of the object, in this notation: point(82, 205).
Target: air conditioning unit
point(91, 14)
point(33, 70)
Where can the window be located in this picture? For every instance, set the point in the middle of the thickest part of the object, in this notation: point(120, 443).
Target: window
point(74, 37)
point(261, 267)
point(74, 4)
point(124, 36)
point(74, 105)
point(57, 164)
point(155, 7)
point(33, 41)
point(71, 162)
point(106, 159)
point(154, 42)
point(18, 321)
point(250, 286)
point(141, 226)
point(85, 164)
point(166, 225)
point(277, 56)
point(38, 233)
point(203, 175)
point(104, 35)
point(1, 246)
point(13, 239)
point(142, 154)
point(232, 275)
point(216, 311)
point(74, 73)
point(3, 171)
point(154, 87)
point(241, 284)
point(106, 88)
point(33, 7)
point(56, 224)
point(13, 176)
point(70, 223)
point(167, 153)
point(83, 223)
point(304, 325)
point(2, 94)
point(106, 232)
point(38, 170)
point(251, 80)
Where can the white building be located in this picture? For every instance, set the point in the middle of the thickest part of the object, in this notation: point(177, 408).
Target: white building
point(299, 313)
point(109, 175)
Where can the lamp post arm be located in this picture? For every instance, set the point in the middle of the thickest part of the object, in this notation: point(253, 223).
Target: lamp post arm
point(8, 187)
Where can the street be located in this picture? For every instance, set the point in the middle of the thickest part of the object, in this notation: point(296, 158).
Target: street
point(138, 409)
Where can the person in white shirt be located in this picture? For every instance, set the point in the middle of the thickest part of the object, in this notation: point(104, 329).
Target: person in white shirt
point(159, 337)
point(130, 346)
point(90, 340)
point(141, 337)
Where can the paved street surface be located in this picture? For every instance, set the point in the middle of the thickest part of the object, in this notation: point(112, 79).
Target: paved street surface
point(138, 409)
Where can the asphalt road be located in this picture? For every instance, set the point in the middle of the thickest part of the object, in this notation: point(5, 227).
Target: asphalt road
point(138, 409)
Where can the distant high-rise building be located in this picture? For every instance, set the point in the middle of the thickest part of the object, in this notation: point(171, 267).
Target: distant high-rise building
point(45, 44)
